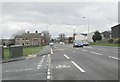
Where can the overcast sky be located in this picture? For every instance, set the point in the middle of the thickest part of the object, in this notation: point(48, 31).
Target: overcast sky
point(57, 17)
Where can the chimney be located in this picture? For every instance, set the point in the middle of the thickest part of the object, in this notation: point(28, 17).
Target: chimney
point(36, 31)
point(28, 32)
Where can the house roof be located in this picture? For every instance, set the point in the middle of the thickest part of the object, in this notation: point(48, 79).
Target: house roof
point(84, 34)
point(29, 35)
point(116, 26)
point(106, 32)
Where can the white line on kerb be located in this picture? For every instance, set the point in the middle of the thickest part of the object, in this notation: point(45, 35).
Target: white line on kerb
point(114, 57)
point(51, 51)
point(66, 56)
point(78, 66)
point(96, 53)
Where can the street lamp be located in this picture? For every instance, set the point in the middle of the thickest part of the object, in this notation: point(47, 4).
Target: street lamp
point(87, 22)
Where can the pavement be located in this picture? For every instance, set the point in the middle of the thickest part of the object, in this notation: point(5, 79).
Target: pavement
point(67, 63)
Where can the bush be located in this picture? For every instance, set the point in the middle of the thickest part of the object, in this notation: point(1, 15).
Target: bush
point(117, 40)
point(111, 40)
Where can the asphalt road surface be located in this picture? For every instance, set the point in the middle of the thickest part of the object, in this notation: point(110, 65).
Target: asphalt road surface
point(66, 63)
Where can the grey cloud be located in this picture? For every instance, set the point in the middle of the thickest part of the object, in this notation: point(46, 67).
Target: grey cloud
point(101, 15)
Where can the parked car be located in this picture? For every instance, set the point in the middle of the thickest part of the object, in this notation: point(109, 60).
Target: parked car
point(62, 43)
point(77, 43)
point(85, 43)
point(51, 43)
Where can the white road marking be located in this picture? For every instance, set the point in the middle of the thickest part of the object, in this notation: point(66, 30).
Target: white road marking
point(48, 77)
point(19, 70)
point(31, 56)
point(51, 51)
point(76, 48)
point(78, 66)
point(66, 56)
point(84, 50)
point(74, 52)
point(40, 63)
point(48, 72)
point(96, 53)
point(62, 66)
point(55, 47)
point(48, 69)
point(88, 47)
point(114, 57)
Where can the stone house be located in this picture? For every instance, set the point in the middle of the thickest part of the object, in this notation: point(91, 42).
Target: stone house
point(28, 39)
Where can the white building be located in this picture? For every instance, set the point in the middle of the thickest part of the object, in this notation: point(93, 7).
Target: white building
point(89, 37)
point(80, 37)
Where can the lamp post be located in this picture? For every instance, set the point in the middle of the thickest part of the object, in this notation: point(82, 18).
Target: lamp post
point(87, 22)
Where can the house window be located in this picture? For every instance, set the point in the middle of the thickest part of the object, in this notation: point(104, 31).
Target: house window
point(18, 39)
point(23, 44)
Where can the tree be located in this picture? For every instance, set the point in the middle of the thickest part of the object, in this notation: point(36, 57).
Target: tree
point(46, 37)
point(62, 37)
point(70, 39)
point(97, 36)
point(19, 32)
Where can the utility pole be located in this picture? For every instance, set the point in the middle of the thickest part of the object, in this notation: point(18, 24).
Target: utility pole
point(74, 34)
point(88, 23)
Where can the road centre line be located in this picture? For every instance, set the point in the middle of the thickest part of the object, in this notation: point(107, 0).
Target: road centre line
point(77, 66)
point(55, 47)
point(66, 56)
point(114, 57)
point(51, 51)
point(96, 53)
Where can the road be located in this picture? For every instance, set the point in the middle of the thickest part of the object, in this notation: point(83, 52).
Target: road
point(66, 63)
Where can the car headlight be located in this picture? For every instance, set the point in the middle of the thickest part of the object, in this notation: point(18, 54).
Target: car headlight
point(75, 44)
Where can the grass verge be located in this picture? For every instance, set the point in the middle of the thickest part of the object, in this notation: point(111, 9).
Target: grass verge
point(26, 51)
point(105, 44)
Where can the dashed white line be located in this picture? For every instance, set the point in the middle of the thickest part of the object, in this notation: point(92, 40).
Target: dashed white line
point(66, 56)
point(48, 72)
point(78, 66)
point(48, 69)
point(48, 77)
point(51, 51)
point(96, 53)
point(40, 63)
point(55, 47)
point(114, 57)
